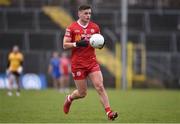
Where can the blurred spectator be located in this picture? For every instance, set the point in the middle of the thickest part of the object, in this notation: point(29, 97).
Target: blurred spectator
point(14, 69)
point(54, 70)
point(65, 70)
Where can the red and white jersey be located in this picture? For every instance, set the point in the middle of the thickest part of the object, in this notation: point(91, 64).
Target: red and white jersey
point(82, 57)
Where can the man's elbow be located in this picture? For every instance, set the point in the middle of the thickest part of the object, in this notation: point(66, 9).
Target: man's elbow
point(65, 46)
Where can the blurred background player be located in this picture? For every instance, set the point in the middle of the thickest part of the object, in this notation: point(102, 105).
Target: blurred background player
point(65, 70)
point(54, 70)
point(83, 60)
point(14, 69)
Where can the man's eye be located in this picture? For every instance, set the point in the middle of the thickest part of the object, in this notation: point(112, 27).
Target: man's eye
point(88, 13)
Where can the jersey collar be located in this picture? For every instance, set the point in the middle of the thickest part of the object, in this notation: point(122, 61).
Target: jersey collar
point(83, 26)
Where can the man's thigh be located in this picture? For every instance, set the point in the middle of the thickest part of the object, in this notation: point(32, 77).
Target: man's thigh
point(81, 85)
point(96, 78)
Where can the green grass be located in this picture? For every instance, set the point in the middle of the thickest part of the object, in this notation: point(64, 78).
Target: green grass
point(133, 106)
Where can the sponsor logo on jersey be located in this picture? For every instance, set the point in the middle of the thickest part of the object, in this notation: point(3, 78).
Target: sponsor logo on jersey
point(76, 31)
point(77, 37)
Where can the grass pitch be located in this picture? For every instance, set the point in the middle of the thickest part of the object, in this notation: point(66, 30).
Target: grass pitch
point(140, 106)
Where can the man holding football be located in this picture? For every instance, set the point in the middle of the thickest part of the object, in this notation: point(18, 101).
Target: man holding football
point(83, 60)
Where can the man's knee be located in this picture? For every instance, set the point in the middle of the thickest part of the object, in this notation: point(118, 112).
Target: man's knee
point(100, 88)
point(82, 94)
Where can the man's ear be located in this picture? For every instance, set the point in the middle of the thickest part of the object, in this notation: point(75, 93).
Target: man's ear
point(79, 13)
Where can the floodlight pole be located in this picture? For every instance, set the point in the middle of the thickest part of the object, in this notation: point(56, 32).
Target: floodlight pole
point(124, 9)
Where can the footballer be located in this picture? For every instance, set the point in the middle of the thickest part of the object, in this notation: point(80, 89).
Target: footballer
point(83, 60)
point(14, 69)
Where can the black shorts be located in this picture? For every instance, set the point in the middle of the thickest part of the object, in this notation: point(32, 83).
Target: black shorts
point(15, 73)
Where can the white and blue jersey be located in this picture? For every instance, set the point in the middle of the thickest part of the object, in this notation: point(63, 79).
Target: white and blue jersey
point(55, 63)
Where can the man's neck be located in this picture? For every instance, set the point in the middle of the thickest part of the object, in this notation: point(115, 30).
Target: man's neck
point(82, 23)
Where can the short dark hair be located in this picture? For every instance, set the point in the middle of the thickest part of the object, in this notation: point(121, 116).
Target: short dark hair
point(84, 7)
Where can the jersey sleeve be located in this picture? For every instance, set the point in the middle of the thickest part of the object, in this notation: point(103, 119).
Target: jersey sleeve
point(98, 29)
point(68, 32)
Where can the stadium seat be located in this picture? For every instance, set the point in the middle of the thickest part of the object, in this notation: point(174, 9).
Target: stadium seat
point(178, 43)
point(20, 20)
point(134, 38)
point(164, 22)
point(8, 40)
point(135, 22)
point(35, 67)
point(158, 43)
point(34, 3)
point(46, 23)
point(5, 2)
point(104, 19)
point(175, 69)
point(1, 21)
point(158, 66)
point(42, 41)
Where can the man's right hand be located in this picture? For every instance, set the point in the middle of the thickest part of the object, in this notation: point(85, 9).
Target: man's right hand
point(82, 43)
point(20, 70)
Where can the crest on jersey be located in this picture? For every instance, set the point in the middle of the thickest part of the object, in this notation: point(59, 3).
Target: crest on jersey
point(78, 73)
point(92, 30)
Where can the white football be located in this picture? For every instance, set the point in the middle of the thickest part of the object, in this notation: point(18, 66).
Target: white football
point(97, 41)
